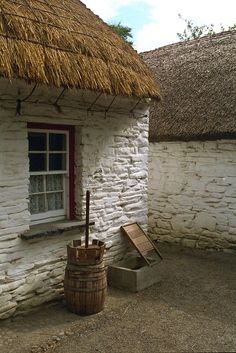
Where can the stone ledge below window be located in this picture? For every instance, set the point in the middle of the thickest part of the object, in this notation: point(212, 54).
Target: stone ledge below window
point(52, 228)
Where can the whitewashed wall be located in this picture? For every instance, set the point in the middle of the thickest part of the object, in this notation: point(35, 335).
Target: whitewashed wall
point(192, 193)
point(111, 154)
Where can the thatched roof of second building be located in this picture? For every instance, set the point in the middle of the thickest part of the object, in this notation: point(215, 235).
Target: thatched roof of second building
point(62, 43)
point(198, 85)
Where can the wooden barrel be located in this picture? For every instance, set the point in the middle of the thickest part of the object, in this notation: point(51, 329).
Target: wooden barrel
point(85, 288)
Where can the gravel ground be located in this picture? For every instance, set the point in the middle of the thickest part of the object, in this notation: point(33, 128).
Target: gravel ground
point(191, 309)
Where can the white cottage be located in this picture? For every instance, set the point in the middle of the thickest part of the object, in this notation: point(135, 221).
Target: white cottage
point(192, 167)
point(73, 115)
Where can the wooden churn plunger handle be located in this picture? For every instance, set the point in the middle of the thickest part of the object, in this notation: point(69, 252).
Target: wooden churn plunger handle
point(87, 219)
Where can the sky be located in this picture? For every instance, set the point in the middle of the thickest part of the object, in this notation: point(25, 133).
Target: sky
point(155, 23)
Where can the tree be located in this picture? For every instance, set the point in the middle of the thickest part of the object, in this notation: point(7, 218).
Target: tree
point(193, 31)
point(123, 31)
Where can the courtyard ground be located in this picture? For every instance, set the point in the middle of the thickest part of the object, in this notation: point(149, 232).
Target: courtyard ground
point(191, 309)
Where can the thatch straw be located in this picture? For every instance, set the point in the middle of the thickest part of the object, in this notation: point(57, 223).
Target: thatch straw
point(198, 85)
point(62, 43)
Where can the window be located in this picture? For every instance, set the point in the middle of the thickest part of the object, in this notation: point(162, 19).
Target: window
point(51, 163)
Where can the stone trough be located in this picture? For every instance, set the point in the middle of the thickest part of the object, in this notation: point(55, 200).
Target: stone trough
point(133, 274)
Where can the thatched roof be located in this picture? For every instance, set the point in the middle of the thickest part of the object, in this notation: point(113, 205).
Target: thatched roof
point(198, 86)
point(62, 43)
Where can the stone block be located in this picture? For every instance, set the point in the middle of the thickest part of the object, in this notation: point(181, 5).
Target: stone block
point(169, 238)
point(230, 238)
point(221, 243)
point(232, 221)
point(11, 286)
point(28, 288)
point(214, 188)
point(221, 228)
point(5, 299)
point(232, 230)
point(8, 310)
point(180, 227)
point(209, 234)
point(162, 232)
point(38, 299)
point(16, 271)
point(190, 243)
point(132, 274)
point(204, 244)
point(205, 221)
point(164, 224)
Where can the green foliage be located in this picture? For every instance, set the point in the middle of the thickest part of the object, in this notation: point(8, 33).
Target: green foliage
point(231, 28)
point(123, 31)
point(193, 31)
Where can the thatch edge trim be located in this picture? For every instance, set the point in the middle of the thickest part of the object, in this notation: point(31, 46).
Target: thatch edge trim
point(192, 42)
point(112, 67)
point(204, 137)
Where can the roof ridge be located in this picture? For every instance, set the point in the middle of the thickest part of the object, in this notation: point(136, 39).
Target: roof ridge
point(206, 38)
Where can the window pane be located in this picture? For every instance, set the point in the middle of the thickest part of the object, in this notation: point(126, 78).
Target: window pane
point(37, 141)
point(37, 204)
point(37, 162)
point(55, 201)
point(57, 142)
point(54, 182)
point(36, 184)
point(57, 161)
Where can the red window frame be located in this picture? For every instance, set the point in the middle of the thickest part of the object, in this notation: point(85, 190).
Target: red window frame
point(71, 130)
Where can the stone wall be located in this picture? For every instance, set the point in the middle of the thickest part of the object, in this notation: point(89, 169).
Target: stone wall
point(192, 193)
point(111, 159)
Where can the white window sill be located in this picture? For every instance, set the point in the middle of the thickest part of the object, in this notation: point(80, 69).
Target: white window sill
point(52, 228)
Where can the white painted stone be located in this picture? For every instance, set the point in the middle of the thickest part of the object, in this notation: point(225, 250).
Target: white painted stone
point(210, 234)
point(188, 243)
point(205, 221)
point(108, 244)
point(8, 287)
point(213, 188)
point(232, 222)
point(194, 183)
point(8, 310)
point(4, 300)
point(232, 231)
point(111, 160)
point(162, 223)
